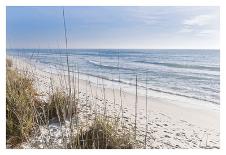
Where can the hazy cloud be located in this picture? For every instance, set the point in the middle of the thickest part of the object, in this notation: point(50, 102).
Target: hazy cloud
point(205, 25)
point(200, 20)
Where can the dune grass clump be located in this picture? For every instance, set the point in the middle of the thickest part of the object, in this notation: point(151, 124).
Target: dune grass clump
point(61, 106)
point(21, 104)
point(102, 134)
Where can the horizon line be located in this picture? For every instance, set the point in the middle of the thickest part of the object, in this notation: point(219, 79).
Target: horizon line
point(123, 48)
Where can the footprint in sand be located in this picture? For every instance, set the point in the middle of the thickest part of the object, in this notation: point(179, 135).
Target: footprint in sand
point(167, 136)
point(167, 132)
point(158, 125)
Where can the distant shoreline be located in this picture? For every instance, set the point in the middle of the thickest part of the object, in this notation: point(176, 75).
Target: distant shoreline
point(215, 49)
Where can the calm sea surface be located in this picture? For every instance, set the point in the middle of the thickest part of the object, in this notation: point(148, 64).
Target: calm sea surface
point(187, 73)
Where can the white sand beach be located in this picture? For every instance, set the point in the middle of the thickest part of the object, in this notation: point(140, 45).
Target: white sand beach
point(171, 123)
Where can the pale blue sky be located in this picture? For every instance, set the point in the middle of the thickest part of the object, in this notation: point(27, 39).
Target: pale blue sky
point(113, 27)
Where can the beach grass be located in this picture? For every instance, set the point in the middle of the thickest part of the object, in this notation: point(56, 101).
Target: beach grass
point(26, 112)
point(59, 106)
point(21, 106)
point(102, 134)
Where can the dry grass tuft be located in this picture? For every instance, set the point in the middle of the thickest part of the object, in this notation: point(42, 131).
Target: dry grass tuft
point(21, 104)
point(59, 106)
point(102, 134)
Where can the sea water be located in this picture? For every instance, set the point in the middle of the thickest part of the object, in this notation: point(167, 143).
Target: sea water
point(188, 73)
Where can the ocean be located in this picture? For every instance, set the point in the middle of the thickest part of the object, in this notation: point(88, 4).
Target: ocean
point(188, 73)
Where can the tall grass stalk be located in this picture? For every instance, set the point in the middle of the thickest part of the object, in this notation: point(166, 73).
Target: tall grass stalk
point(120, 92)
point(103, 90)
point(69, 80)
point(146, 111)
point(135, 124)
point(113, 91)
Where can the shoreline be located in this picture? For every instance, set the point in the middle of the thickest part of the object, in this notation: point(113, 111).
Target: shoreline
point(181, 99)
point(168, 121)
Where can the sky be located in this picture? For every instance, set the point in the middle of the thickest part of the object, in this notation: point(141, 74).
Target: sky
point(114, 27)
